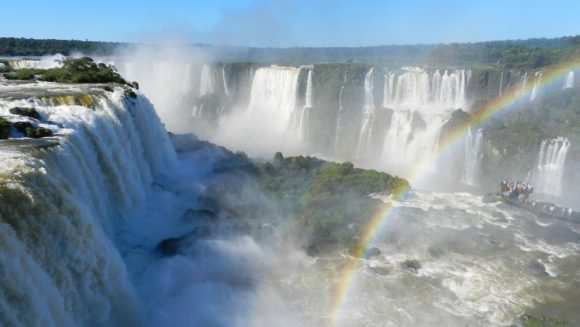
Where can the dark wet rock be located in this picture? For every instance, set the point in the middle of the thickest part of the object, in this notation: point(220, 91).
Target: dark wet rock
point(130, 94)
point(170, 246)
point(196, 215)
point(38, 132)
point(372, 252)
point(175, 245)
point(538, 268)
point(21, 126)
point(28, 112)
point(4, 128)
point(411, 265)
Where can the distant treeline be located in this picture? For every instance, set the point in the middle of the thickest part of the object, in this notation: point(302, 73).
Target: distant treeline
point(11, 46)
point(524, 54)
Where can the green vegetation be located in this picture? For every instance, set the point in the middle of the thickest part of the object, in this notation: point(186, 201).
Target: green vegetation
point(513, 137)
point(11, 46)
point(23, 74)
point(411, 264)
point(37, 132)
point(83, 70)
point(537, 321)
point(74, 70)
point(328, 201)
point(4, 128)
point(520, 54)
point(29, 130)
point(4, 67)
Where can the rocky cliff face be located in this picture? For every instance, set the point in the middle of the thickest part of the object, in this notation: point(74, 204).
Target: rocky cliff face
point(375, 116)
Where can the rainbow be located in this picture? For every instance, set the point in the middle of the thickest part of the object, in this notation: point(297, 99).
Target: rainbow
point(376, 222)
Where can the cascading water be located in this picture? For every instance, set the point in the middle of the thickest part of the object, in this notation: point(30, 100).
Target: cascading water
point(501, 83)
point(271, 121)
point(473, 143)
point(63, 201)
point(537, 79)
point(226, 88)
point(338, 125)
point(569, 82)
point(549, 171)
point(523, 83)
point(206, 87)
point(368, 115)
point(415, 88)
point(207, 82)
point(421, 103)
point(304, 123)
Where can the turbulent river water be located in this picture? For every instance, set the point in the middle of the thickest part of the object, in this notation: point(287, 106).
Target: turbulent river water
point(481, 265)
point(82, 214)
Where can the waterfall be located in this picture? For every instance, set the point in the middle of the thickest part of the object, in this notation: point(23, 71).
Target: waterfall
point(473, 143)
point(414, 88)
point(303, 125)
point(271, 120)
point(226, 88)
point(569, 83)
point(410, 137)
point(421, 101)
point(207, 82)
point(523, 83)
point(273, 96)
point(501, 83)
point(63, 202)
point(368, 114)
point(549, 170)
point(308, 99)
point(339, 115)
point(388, 93)
point(538, 77)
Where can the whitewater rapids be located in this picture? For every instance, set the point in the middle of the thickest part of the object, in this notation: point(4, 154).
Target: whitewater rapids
point(82, 213)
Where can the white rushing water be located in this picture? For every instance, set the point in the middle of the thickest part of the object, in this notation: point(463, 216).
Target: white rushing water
point(44, 62)
point(272, 120)
point(82, 213)
point(549, 170)
point(501, 84)
point(537, 81)
point(415, 88)
point(569, 81)
point(368, 115)
point(61, 207)
point(338, 125)
point(421, 103)
point(304, 119)
point(473, 154)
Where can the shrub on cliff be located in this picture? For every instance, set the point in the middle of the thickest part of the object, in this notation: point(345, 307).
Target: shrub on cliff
point(83, 70)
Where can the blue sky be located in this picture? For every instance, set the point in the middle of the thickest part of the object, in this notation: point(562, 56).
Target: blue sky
point(287, 23)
